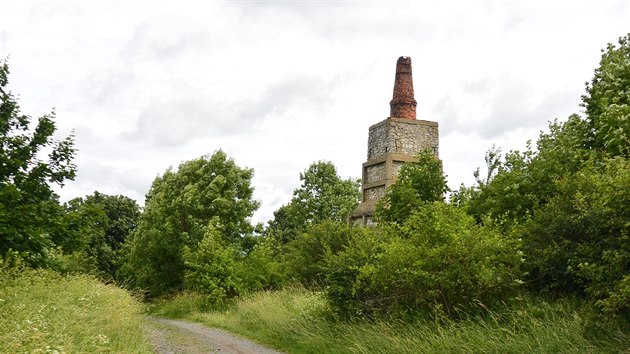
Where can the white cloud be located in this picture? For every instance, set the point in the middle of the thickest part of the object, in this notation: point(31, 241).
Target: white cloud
point(280, 84)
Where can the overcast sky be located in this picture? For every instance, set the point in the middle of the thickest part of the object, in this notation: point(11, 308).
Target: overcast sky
point(280, 84)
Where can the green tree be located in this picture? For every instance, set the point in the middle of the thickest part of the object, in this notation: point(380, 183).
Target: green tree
point(607, 101)
point(179, 207)
point(323, 195)
point(30, 214)
point(98, 226)
point(524, 181)
point(568, 198)
point(417, 182)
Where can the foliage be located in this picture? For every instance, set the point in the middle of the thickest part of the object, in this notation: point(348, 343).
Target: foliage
point(580, 240)
point(526, 180)
point(568, 198)
point(211, 268)
point(607, 101)
point(305, 257)
point(97, 226)
point(30, 214)
point(44, 312)
point(323, 195)
point(179, 207)
point(221, 272)
point(417, 182)
point(261, 268)
point(523, 181)
point(438, 260)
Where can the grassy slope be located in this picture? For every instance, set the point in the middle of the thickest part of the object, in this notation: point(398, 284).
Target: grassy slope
point(298, 321)
point(44, 312)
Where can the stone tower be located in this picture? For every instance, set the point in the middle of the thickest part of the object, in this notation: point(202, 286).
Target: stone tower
point(392, 142)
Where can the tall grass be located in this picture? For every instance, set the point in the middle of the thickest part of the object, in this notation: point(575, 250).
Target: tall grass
point(44, 312)
point(299, 321)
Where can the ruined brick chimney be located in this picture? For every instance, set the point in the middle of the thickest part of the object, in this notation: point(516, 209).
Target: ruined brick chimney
point(393, 142)
point(403, 104)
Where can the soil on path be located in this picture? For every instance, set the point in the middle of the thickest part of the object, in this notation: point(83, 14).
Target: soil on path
point(174, 336)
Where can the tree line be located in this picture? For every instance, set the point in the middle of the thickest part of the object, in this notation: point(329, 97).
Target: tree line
point(551, 219)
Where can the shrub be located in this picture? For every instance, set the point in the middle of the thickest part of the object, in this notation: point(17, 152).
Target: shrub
point(438, 260)
point(260, 268)
point(305, 256)
point(211, 268)
point(417, 182)
point(580, 240)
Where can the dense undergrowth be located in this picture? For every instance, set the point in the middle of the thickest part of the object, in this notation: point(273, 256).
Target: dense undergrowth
point(42, 311)
point(300, 321)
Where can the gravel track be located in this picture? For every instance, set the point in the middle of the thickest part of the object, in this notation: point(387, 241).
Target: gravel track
point(174, 336)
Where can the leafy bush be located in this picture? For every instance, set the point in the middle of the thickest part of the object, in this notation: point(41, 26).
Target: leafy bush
point(580, 241)
point(211, 268)
point(305, 256)
point(417, 182)
point(438, 260)
point(262, 268)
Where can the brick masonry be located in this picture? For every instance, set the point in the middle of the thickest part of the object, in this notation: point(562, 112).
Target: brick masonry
point(403, 103)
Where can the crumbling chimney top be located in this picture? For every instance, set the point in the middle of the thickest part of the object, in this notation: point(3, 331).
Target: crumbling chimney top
point(403, 103)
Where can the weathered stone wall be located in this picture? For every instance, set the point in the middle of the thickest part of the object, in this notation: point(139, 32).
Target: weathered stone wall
point(375, 173)
point(402, 136)
point(373, 193)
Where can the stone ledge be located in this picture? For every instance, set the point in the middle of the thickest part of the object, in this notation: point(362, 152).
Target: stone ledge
point(406, 121)
point(365, 208)
point(379, 183)
point(389, 156)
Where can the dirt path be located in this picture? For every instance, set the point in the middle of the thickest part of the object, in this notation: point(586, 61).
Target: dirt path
point(173, 336)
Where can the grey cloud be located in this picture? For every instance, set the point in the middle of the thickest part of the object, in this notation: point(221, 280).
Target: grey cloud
point(109, 86)
point(150, 42)
point(296, 93)
point(110, 179)
point(447, 112)
point(340, 21)
point(509, 104)
point(172, 122)
point(510, 108)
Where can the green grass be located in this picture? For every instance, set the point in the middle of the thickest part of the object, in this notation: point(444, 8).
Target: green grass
point(298, 321)
point(44, 312)
point(180, 305)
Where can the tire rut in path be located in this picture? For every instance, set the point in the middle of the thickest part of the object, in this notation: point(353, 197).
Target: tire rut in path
point(174, 336)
